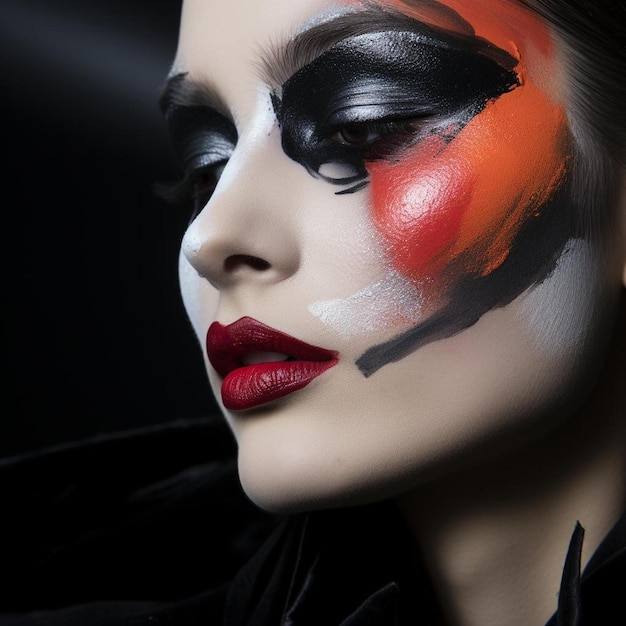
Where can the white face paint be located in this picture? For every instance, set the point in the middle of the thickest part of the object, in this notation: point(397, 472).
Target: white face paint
point(388, 303)
point(560, 311)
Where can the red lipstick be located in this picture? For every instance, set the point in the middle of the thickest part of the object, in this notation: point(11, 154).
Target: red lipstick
point(233, 350)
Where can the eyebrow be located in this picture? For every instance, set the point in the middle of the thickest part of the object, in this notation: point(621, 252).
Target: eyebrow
point(181, 91)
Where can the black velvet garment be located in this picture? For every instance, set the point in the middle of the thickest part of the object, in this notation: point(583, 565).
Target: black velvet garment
point(151, 527)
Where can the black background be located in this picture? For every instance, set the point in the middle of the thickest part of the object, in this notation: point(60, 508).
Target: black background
point(95, 338)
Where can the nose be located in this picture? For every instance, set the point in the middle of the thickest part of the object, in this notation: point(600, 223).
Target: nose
point(246, 233)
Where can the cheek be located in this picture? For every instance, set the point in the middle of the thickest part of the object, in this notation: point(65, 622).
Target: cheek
point(560, 313)
point(418, 206)
point(452, 209)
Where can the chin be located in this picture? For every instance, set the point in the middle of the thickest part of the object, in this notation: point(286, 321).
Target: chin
point(289, 483)
point(287, 488)
point(289, 499)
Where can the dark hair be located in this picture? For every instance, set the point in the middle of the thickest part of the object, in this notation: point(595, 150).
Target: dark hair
point(593, 36)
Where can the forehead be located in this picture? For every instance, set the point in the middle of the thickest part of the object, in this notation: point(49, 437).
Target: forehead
point(219, 38)
point(222, 43)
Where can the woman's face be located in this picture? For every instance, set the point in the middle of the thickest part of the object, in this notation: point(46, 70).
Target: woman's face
point(385, 265)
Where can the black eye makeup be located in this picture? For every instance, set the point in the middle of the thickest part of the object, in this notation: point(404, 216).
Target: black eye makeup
point(202, 140)
point(372, 95)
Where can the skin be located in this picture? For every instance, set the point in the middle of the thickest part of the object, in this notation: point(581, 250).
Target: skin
point(458, 424)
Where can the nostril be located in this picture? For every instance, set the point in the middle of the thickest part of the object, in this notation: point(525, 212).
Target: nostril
point(236, 261)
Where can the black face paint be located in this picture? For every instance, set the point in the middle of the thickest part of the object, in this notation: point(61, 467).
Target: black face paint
point(400, 84)
point(200, 136)
point(202, 141)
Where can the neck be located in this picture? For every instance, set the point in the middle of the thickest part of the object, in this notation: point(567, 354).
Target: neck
point(495, 537)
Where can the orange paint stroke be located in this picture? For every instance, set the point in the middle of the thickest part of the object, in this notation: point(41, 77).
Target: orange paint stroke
point(505, 23)
point(466, 202)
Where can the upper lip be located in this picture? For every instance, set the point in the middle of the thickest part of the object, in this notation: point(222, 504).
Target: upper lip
point(227, 345)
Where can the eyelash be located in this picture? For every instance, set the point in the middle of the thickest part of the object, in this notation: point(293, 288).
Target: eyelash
point(206, 177)
point(189, 188)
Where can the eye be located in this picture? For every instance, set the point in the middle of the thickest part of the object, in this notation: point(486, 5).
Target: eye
point(365, 134)
point(202, 183)
point(196, 187)
point(356, 135)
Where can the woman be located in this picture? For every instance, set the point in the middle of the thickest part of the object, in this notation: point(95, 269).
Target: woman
point(406, 260)
point(405, 266)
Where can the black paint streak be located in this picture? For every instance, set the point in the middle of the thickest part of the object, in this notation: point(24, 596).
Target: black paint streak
point(356, 187)
point(402, 71)
point(534, 255)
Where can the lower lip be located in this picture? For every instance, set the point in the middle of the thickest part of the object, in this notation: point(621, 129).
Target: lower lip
point(254, 385)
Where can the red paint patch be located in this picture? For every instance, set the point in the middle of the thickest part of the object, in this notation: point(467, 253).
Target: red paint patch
point(419, 203)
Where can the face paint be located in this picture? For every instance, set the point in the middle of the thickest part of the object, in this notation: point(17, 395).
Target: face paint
point(506, 24)
point(202, 139)
point(388, 303)
point(463, 152)
point(392, 84)
point(456, 206)
point(452, 210)
point(558, 313)
point(469, 194)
